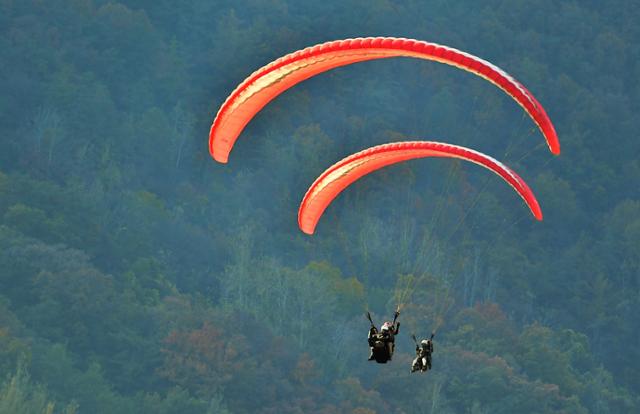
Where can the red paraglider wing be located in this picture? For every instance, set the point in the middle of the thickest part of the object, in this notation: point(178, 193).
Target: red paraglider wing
point(342, 174)
point(271, 80)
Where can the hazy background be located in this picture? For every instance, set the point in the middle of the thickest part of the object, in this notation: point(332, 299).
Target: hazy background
point(139, 276)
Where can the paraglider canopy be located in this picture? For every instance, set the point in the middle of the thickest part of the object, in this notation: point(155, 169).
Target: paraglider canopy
point(342, 174)
point(271, 80)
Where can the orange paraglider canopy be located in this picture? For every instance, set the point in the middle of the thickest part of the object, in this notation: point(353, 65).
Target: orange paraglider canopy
point(271, 80)
point(342, 174)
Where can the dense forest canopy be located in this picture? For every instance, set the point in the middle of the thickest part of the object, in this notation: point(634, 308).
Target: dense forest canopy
point(139, 276)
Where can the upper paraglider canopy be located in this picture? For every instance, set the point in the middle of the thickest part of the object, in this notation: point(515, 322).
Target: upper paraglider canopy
point(271, 80)
point(342, 174)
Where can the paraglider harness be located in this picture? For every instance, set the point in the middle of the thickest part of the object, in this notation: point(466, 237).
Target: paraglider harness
point(422, 362)
point(382, 343)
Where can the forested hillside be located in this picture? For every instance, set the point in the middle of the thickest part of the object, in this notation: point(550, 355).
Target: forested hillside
point(137, 275)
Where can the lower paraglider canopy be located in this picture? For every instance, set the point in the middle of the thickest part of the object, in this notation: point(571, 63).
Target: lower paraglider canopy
point(342, 174)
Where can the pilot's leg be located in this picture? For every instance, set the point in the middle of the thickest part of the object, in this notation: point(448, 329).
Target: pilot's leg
point(415, 365)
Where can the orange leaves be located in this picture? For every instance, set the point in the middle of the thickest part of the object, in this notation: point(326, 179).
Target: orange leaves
point(205, 358)
point(305, 369)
